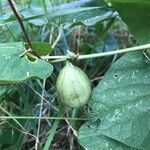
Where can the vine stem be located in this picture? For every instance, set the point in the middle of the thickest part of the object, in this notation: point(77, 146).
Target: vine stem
point(20, 20)
point(44, 118)
point(79, 57)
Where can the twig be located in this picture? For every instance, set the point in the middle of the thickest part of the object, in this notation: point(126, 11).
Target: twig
point(24, 132)
point(5, 111)
point(20, 20)
point(25, 52)
point(40, 114)
point(41, 97)
point(70, 126)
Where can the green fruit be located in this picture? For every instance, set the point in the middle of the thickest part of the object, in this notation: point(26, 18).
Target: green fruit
point(73, 86)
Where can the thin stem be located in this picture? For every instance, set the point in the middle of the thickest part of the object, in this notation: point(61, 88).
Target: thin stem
point(57, 60)
point(70, 127)
point(40, 114)
point(95, 55)
point(43, 118)
point(20, 20)
point(41, 97)
point(141, 47)
point(57, 57)
point(12, 117)
point(58, 38)
point(15, 119)
point(24, 132)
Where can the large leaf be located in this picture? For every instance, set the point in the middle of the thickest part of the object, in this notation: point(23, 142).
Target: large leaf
point(92, 139)
point(136, 14)
point(122, 101)
point(16, 69)
point(86, 12)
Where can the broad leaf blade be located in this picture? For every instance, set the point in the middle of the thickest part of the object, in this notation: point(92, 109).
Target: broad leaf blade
point(136, 14)
point(16, 69)
point(122, 100)
point(7, 18)
point(86, 12)
point(91, 138)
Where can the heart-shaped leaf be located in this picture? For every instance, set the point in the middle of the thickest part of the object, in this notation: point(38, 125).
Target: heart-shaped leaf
point(91, 138)
point(122, 101)
point(14, 68)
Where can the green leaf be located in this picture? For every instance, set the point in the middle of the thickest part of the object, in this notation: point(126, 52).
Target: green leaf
point(88, 13)
point(42, 48)
point(7, 18)
point(74, 13)
point(122, 101)
point(14, 68)
point(91, 138)
point(136, 14)
point(78, 12)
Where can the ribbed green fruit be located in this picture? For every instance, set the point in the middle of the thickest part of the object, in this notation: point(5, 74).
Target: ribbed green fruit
point(73, 86)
